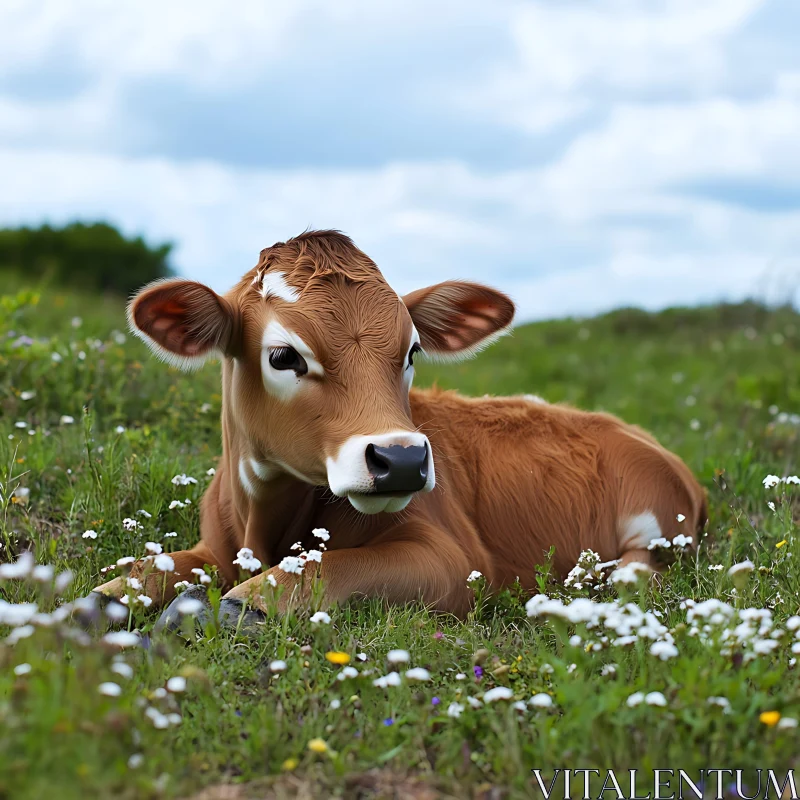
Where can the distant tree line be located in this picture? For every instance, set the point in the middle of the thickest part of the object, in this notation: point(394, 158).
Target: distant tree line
point(94, 257)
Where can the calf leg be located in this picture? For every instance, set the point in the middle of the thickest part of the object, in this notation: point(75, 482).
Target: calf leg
point(414, 562)
point(160, 586)
point(639, 556)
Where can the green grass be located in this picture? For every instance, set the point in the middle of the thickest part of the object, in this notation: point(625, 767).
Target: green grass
point(717, 385)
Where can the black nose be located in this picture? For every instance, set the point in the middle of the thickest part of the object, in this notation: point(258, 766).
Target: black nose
point(397, 468)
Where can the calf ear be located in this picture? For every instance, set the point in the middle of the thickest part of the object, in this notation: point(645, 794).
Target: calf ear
point(457, 319)
point(183, 322)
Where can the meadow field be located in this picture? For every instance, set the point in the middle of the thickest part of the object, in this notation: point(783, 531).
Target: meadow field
point(103, 450)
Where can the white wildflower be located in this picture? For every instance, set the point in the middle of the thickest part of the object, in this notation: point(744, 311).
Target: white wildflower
point(314, 555)
point(655, 699)
point(164, 563)
point(158, 719)
point(292, 564)
point(321, 618)
point(498, 693)
point(398, 656)
point(347, 672)
point(22, 669)
point(21, 568)
point(176, 685)
point(743, 567)
point(682, 541)
point(322, 534)
point(153, 547)
point(659, 543)
point(680, 518)
point(787, 722)
point(17, 634)
point(392, 679)
point(277, 666)
point(183, 480)
point(541, 700)
point(122, 639)
point(110, 689)
point(771, 481)
point(63, 580)
point(474, 702)
point(66, 420)
point(90, 534)
point(247, 561)
point(43, 573)
point(663, 650)
point(721, 702)
point(635, 699)
point(474, 576)
point(455, 710)
point(176, 504)
point(189, 606)
point(418, 674)
point(630, 573)
point(130, 524)
point(123, 669)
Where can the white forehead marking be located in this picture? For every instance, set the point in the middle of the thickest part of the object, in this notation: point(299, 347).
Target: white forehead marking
point(273, 284)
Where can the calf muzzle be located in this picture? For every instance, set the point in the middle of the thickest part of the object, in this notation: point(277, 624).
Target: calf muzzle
point(397, 468)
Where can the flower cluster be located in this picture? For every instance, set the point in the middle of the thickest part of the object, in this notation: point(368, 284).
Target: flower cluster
point(590, 571)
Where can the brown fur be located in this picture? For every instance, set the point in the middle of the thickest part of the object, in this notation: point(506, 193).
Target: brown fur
point(514, 477)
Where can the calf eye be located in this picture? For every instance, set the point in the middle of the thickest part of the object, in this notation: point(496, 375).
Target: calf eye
point(415, 348)
point(288, 358)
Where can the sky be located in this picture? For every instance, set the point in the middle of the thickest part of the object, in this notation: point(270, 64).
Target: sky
point(578, 154)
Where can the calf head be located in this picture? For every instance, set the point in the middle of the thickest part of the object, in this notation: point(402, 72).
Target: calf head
point(319, 357)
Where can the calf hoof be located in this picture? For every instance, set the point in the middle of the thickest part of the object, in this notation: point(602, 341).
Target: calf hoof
point(98, 610)
point(191, 604)
point(245, 620)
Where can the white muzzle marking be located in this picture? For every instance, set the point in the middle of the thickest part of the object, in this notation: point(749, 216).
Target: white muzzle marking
point(349, 475)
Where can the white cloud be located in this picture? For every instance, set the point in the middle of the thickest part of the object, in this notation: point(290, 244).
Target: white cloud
point(568, 58)
point(649, 97)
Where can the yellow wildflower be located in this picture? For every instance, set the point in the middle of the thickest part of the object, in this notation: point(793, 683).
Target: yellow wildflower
point(780, 544)
point(290, 763)
point(336, 657)
point(770, 718)
point(318, 746)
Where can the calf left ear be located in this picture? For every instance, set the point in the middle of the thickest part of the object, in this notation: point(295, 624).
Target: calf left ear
point(457, 319)
point(183, 322)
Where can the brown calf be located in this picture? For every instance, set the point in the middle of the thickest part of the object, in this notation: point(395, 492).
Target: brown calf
point(321, 429)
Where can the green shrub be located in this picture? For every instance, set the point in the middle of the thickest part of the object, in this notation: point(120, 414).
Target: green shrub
point(89, 257)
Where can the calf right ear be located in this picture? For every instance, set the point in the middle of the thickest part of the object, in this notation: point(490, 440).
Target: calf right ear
point(183, 322)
